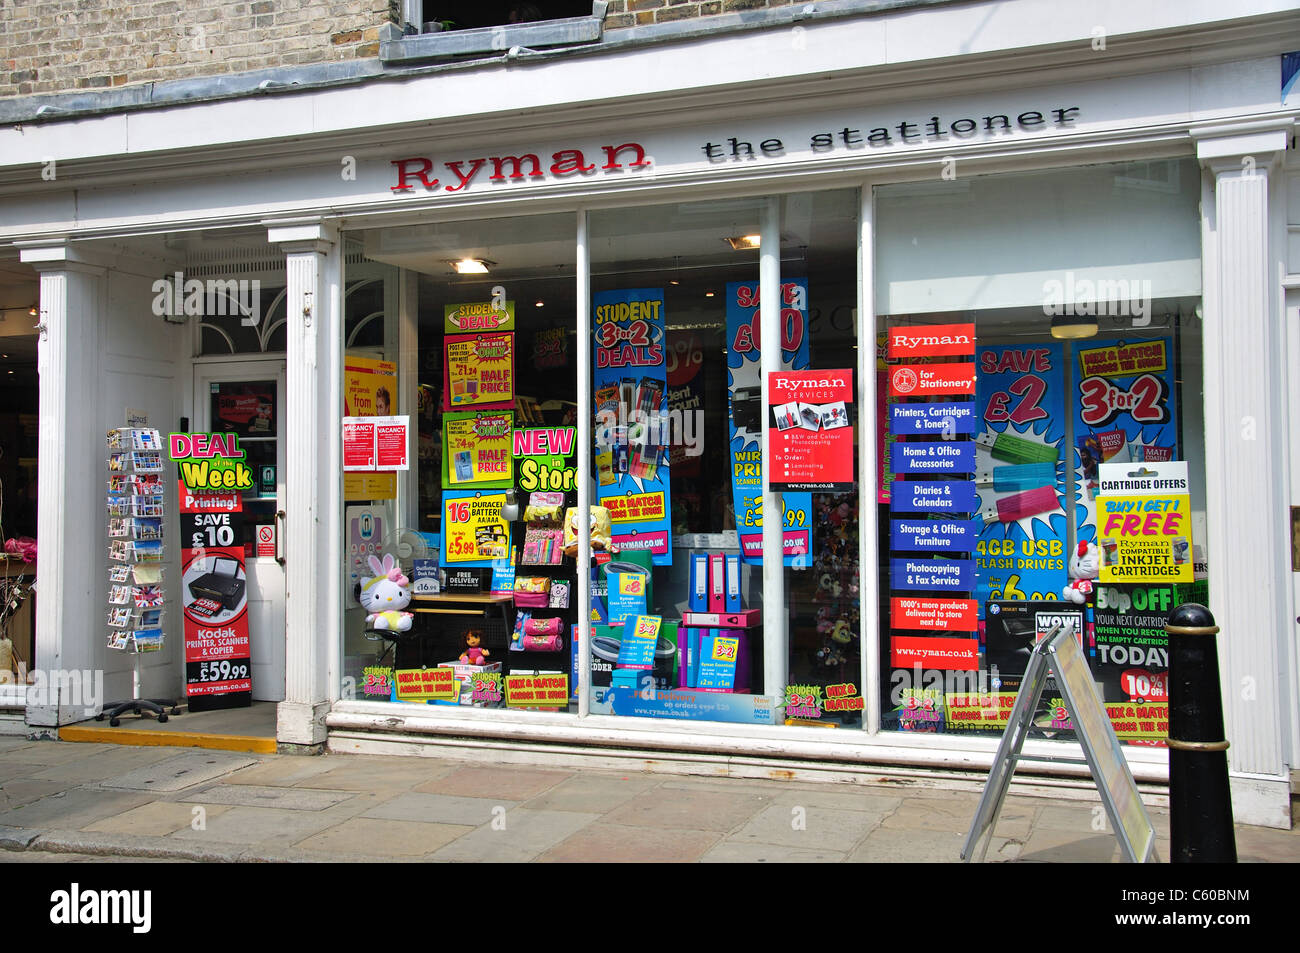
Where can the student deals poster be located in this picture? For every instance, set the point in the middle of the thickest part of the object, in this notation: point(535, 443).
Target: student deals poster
point(631, 419)
point(1020, 396)
point(746, 417)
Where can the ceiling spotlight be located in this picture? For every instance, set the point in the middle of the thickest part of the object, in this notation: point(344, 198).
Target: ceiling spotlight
point(471, 266)
point(743, 242)
point(1073, 326)
point(708, 294)
point(32, 312)
point(539, 304)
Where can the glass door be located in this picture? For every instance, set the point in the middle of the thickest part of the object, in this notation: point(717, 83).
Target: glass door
point(247, 398)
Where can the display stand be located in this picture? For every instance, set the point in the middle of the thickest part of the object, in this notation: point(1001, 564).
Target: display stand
point(136, 513)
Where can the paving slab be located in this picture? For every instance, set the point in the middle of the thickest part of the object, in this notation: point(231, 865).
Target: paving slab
point(839, 800)
point(382, 837)
point(1046, 845)
point(282, 770)
point(808, 828)
point(730, 852)
point(22, 791)
point(59, 752)
point(132, 846)
point(894, 846)
point(71, 810)
point(19, 769)
point(266, 827)
point(156, 819)
point(615, 843)
point(525, 835)
point(594, 793)
point(256, 795)
point(371, 773)
point(441, 809)
point(512, 783)
point(698, 809)
point(1267, 846)
point(104, 764)
point(180, 771)
point(955, 815)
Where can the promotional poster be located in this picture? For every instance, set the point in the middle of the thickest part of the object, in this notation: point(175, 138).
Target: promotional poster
point(1144, 522)
point(478, 371)
point(1018, 455)
point(811, 432)
point(632, 426)
point(369, 390)
point(1127, 409)
point(474, 534)
point(214, 602)
point(744, 393)
point(477, 449)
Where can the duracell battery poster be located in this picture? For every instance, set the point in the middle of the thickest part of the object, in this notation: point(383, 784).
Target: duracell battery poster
point(631, 424)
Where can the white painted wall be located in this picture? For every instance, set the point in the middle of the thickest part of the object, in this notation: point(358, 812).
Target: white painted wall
point(143, 364)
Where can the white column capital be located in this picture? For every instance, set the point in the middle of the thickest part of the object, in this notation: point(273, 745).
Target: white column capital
point(1244, 149)
point(302, 236)
point(58, 255)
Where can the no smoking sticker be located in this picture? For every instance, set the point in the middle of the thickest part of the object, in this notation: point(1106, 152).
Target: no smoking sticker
point(266, 540)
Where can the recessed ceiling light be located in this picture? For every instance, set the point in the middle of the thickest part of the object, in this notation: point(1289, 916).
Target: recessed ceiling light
point(742, 242)
point(708, 294)
point(471, 266)
point(539, 304)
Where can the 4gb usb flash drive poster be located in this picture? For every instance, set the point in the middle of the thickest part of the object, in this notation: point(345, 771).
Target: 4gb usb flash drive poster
point(1020, 396)
point(745, 417)
point(632, 427)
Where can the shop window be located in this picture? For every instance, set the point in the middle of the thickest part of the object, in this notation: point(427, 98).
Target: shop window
point(684, 627)
point(465, 333)
point(1040, 350)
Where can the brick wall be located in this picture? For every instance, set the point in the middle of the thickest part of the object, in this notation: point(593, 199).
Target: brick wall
point(49, 46)
point(625, 13)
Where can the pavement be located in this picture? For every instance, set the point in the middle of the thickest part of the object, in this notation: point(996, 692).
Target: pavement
point(85, 802)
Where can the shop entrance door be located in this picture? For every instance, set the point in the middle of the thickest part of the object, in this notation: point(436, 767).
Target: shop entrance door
point(247, 398)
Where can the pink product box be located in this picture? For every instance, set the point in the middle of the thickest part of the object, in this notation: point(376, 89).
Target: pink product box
point(745, 619)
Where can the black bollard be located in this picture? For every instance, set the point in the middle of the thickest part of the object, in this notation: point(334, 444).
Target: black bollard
point(1200, 805)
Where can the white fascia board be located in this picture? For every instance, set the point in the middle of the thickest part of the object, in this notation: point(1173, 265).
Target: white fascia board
point(585, 78)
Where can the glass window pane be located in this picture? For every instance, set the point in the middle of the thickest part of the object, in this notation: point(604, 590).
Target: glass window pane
point(1040, 332)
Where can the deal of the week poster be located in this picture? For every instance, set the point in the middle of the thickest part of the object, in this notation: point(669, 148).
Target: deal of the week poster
point(745, 417)
point(1019, 456)
point(631, 428)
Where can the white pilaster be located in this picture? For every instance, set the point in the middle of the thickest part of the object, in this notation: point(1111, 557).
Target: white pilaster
point(1245, 478)
point(776, 651)
point(71, 464)
point(313, 479)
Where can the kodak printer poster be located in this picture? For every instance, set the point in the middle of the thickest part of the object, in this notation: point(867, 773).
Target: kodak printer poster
point(745, 418)
point(214, 601)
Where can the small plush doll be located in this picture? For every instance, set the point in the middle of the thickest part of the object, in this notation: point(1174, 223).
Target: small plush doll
point(473, 655)
point(1085, 565)
point(385, 594)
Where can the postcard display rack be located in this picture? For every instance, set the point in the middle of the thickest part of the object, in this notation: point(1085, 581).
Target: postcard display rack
point(136, 517)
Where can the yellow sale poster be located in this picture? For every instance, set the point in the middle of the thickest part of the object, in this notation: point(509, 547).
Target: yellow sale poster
point(473, 531)
point(477, 449)
point(1144, 522)
point(478, 372)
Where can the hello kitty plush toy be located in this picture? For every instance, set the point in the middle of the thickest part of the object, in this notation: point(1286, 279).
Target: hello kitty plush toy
point(1085, 565)
point(385, 594)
